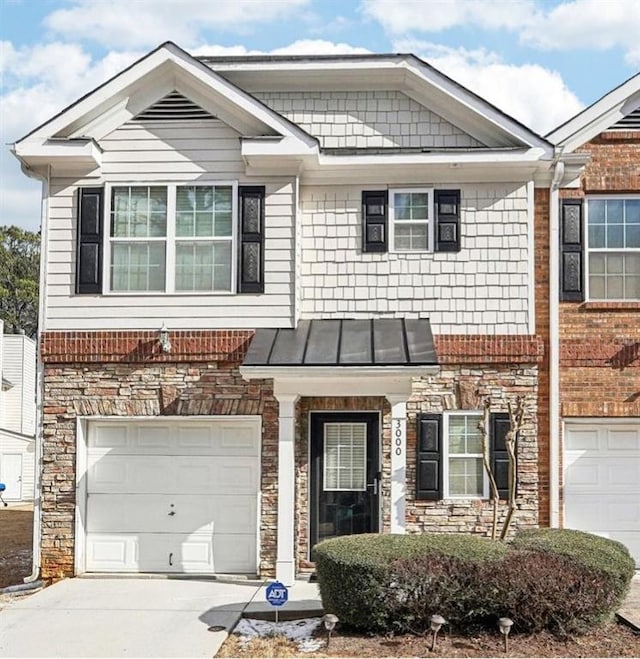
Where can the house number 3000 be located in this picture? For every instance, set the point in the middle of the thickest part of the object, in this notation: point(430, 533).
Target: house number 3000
point(398, 437)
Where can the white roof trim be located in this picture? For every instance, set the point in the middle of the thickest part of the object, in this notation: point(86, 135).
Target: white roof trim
point(164, 67)
point(599, 116)
point(82, 153)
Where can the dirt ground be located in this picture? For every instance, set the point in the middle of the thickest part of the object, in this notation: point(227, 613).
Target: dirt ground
point(613, 640)
point(16, 532)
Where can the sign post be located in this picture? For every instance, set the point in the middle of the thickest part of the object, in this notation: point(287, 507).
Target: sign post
point(277, 594)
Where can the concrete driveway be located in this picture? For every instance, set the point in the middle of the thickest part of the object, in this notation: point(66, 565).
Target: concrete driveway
point(123, 618)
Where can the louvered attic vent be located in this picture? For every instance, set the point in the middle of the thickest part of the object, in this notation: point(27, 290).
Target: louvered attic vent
point(173, 107)
point(630, 122)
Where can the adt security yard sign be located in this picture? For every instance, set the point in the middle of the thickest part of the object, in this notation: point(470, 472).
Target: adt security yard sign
point(277, 594)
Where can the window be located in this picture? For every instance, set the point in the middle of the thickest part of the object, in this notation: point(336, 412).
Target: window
point(172, 238)
point(411, 220)
point(613, 241)
point(345, 456)
point(464, 470)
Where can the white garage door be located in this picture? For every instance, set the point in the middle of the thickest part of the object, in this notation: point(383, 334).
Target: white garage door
point(172, 497)
point(602, 480)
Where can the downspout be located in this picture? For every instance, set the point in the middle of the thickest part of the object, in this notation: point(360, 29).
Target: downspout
point(37, 499)
point(554, 346)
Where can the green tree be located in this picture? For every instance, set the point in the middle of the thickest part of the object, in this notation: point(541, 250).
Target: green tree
point(19, 277)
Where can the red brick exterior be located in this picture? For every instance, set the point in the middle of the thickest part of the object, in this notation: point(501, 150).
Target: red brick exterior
point(600, 341)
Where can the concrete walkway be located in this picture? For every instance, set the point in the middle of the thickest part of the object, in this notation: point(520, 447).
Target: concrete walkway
point(124, 618)
point(629, 612)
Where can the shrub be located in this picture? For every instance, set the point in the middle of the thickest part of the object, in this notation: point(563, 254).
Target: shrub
point(368, 580)
point(563, 581)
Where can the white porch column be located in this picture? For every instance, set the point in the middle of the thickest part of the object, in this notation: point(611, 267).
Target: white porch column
point(285, 556)
point(398, 462)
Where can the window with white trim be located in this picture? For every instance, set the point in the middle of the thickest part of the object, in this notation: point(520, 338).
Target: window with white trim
point(411, 220)
point(463, 466)
point(172, 238)
point(613, 243)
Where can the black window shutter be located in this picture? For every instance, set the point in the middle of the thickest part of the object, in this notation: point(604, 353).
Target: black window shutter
point(251, 239)
point(447, 234)
point(429, 458)
point(375, 221)
point(571, 251)
point(89, 241)
point(498, 455)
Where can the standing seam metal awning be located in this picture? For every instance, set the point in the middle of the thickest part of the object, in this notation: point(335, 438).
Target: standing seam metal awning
point(368, 342)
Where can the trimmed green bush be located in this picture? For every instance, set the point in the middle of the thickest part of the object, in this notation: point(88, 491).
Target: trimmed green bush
point(562, 581)
point(364, 582)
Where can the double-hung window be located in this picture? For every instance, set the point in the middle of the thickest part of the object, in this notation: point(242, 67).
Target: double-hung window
point(613, 248)
point(172, 238)
point(411, 220)
point(463, 466)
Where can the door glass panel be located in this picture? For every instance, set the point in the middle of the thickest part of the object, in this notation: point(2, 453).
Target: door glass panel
point(345, 456)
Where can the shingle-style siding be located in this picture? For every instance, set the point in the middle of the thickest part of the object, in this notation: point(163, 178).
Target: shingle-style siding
point(367, 119)
point(171, 153)
point(483, 289)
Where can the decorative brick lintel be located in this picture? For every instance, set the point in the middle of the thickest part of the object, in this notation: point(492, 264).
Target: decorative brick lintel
point(143, 346)
point(600, 409)
point(231, 346)
point(499, 349)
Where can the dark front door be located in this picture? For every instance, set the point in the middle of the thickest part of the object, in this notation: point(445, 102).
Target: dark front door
point(345, 477)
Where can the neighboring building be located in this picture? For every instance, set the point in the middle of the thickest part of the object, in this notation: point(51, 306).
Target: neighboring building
point(17, 415)
point(599, 319)
point(276, 294)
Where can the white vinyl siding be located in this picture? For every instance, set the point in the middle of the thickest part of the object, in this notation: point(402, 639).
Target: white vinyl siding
point(613, 239)
point(181, 153)
point(19, 367)
point(484, 288)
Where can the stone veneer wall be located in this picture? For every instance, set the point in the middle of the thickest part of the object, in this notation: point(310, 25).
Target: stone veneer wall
point(151, 388)
point(454, 388)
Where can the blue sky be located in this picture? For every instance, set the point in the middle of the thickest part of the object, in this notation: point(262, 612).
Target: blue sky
point(539, 60)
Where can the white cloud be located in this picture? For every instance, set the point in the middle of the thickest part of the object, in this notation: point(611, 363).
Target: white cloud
point(589, 24)
point(533, 95)
point(409, 16)
point(300, 47)
point(147, 23)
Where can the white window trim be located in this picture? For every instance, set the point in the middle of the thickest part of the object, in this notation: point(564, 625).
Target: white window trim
point(430, 221)
point(604, 250)
point(445, 458)
point(169, 239)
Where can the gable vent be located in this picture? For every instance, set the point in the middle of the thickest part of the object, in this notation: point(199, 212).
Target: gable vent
point(630, 122)
point(173, 107)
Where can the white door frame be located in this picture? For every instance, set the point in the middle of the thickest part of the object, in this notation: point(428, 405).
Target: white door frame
point(18, 481)
point(82, 436)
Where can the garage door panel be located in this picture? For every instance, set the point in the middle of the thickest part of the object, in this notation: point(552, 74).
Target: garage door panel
point(149, 513)
point(147, 474)
point(602, 480)
point(184, 493)
point(200, 438)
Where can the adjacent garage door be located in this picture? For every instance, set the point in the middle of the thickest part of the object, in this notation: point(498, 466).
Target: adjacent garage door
point(172, 497)
point(602, 480)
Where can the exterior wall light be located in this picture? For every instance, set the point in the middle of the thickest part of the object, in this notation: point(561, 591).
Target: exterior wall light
point(436, 623)
point(329, 620)
point(505, 625)
point(163, 339)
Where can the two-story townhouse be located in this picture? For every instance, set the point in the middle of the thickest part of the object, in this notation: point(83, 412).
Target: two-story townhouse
point(595, 329)
point(17, 415)
point(276, 294)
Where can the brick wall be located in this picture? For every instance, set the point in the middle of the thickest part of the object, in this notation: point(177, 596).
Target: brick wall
point(600, 341)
